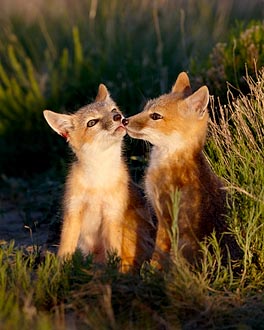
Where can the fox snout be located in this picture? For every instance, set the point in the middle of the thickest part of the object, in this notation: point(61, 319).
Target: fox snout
point(125, 121)
point(118, 117)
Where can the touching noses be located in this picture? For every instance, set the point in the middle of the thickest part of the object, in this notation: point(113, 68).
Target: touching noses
point(125, 121)
point(118, 117)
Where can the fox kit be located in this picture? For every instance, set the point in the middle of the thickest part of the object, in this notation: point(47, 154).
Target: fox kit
point(102, 209)
point(176, 125)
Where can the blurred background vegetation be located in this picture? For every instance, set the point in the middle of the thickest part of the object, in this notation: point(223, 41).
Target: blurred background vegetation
point(54, 54)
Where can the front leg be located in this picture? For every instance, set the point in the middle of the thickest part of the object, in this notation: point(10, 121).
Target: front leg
point(70, 234)
point(113, 236)
point(129, 243)
point(161, 253)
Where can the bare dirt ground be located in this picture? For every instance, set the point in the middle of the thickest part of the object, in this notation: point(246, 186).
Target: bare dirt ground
point(29, 214)
point(12, 227)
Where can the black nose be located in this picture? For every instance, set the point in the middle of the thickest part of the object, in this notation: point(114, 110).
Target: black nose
point(117, 117)
point(125, 121)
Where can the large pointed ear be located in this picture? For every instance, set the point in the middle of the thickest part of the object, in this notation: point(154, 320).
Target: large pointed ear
point(198, 101)
point(102, 93)
point(182, 85)
point(60, 123)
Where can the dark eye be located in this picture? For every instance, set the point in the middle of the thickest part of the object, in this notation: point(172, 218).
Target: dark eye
point(155, 116)
point(92, 122)
point(114, 110)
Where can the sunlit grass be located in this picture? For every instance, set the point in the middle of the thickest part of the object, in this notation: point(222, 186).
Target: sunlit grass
point(237, 143)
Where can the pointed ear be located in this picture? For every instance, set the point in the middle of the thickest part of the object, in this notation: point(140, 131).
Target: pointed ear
point(182, 85)
point(102, 93)
point(60, 123)
point(198, 101)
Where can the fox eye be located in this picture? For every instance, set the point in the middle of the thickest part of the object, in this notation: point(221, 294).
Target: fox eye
point(114, 110)
point(155, 116)
point(92, 122)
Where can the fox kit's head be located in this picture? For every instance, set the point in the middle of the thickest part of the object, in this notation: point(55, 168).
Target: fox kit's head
point(176, 121)
point(97, 124)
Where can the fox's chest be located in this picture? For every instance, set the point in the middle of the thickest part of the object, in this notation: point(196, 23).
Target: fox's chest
point(98, 213)
point(163, 185)
point(96, 204)
point(96, 197)
point(164, 179)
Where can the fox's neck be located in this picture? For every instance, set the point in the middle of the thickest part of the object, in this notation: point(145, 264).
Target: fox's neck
point(176, 170)
point(96, 162)
point(162, 156)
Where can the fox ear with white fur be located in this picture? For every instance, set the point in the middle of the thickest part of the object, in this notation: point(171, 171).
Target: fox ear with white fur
point(182, 85)
point(102, 93)
point(198, 101)
point(60, 123)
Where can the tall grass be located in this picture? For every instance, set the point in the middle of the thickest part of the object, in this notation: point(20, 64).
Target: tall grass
point(237, 149)
point(39, 291)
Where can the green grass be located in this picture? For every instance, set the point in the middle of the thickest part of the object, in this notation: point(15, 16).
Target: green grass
point(237, 143)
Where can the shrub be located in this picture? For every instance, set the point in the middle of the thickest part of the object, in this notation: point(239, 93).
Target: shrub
point(231, 61)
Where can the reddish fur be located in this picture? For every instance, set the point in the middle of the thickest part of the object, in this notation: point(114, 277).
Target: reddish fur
point(177, 163)
point(201, 204)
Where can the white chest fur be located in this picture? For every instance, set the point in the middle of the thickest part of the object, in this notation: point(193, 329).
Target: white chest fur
point(98, 189)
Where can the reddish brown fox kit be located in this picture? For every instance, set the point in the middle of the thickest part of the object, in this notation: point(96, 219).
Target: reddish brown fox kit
point(103, 210)
point(176, 125)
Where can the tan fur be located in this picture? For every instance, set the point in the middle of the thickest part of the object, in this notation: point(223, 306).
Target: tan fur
point(103, 211)
point(177, 163)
